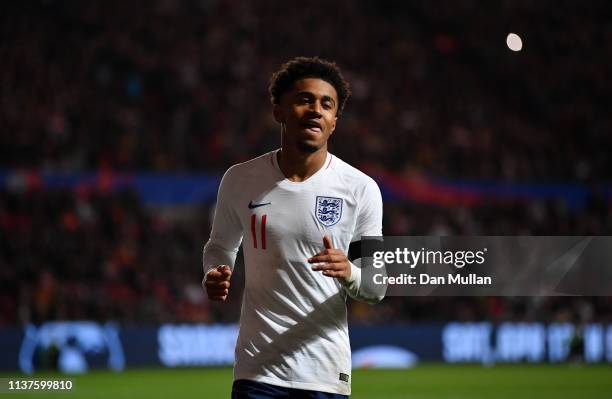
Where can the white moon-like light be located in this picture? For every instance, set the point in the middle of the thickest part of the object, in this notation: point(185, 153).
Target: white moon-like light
point(514, 42)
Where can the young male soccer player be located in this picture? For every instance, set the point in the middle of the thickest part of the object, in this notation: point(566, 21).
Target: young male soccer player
point(296, 210)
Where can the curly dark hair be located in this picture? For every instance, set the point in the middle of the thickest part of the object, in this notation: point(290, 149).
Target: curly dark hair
point(308, 67)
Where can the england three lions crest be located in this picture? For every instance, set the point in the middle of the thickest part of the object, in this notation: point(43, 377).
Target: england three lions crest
point(328, 210)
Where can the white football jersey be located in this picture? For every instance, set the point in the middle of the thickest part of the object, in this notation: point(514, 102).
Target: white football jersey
point(293, 324)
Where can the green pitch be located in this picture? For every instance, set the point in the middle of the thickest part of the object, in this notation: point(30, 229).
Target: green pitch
point(423, 382)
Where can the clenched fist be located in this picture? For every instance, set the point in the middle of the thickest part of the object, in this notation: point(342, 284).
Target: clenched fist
point(217, 282)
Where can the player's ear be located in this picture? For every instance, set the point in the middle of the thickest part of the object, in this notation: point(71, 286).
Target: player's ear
point(278, 113)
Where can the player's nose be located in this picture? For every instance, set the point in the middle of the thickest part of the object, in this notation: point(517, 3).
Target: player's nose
point(315, 109)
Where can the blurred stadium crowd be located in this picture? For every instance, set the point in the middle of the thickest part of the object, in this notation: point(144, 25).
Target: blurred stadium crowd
point(182, 86)
point(74, 255)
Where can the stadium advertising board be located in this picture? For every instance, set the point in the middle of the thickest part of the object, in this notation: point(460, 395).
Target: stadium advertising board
point(76, 347)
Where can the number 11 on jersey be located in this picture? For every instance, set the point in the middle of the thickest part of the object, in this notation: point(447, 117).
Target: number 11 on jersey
point(254, 230)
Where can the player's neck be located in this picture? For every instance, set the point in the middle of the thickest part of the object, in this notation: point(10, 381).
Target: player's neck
point(298, 166)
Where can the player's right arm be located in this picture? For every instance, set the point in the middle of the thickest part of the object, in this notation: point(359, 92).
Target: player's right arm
point(217, 282)
point(221, 249)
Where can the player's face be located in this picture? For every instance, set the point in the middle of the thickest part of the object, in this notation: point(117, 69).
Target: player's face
point(308, 113)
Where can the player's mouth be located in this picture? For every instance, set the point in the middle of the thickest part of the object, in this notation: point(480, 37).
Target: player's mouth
point(312, 126)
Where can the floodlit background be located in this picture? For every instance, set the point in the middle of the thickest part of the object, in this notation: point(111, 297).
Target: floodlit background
point(118, 118)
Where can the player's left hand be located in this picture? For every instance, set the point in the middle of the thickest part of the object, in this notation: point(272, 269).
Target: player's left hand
point(333, 262)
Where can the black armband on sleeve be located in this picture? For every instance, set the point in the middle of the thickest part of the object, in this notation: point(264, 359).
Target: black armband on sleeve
point(357, 249)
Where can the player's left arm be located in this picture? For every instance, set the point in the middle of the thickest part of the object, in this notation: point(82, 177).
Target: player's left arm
point(335, 263)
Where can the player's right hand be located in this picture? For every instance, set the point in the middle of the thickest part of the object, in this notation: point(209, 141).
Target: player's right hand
point(217, 282)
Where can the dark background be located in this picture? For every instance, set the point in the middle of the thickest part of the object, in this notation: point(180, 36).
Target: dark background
point(179, 88)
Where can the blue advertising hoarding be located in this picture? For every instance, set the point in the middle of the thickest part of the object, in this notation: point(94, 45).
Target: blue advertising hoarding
point(76, 347)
